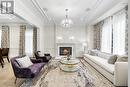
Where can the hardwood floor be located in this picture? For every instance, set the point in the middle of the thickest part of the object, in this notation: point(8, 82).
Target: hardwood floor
point(7, 77)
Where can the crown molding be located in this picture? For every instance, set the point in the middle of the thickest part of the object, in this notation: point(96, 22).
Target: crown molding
point(35, 3)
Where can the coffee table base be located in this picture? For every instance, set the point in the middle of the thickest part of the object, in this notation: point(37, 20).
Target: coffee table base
point(69, 68)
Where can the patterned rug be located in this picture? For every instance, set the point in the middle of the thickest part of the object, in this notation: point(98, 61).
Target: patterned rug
point(52, 76)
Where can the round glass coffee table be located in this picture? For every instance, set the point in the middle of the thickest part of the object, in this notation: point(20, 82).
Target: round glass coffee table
point(69, 65)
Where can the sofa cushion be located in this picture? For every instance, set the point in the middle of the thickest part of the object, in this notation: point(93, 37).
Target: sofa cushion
point(122, 58)
point(101, 62)
point(24, 61)
point(112, 59)
point(87, 55)
point(48, 57)
point(104, 55)
point(104, 64)
point(36, 68)
point(47, 54)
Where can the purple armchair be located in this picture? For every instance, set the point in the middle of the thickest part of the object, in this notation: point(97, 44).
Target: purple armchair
point(29, 72)
point(46, 58)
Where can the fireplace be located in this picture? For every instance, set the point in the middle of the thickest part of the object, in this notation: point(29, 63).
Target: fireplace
point(65, 50)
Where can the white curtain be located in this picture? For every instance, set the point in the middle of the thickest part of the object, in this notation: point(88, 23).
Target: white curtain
point(119, 26)
point(29, 42)
point(106, 37)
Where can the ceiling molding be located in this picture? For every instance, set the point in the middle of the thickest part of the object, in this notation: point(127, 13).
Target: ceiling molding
point(110, 12)
point(35, 3)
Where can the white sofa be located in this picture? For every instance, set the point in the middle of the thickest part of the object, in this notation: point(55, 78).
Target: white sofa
point(117, 73)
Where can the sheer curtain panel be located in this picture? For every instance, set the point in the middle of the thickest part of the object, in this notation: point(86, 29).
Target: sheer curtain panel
point(119, 28)
point(106, 37)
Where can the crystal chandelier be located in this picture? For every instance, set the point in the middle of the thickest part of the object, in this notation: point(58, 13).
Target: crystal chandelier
point(66, 23)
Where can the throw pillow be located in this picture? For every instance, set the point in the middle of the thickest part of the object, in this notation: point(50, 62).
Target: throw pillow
point(112, 59)
point(104, 55)
point(122, 58)
point(24, 61)
point(93, 52)
point(46, 54)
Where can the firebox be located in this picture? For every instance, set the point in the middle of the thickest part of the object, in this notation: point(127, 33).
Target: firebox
point(65, 50)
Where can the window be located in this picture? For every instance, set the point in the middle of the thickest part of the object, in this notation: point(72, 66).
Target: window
point(29, 42)
point(114, 34)
point(119, 27)
point(106, 37)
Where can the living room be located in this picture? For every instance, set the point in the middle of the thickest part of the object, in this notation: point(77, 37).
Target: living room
point(46, 43)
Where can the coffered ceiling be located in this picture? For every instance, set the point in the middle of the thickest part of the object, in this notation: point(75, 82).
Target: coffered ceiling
point(80, 11)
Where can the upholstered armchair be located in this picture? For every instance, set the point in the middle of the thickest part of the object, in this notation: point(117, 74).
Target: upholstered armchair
point(1, 59)
point(5, 53)
point(44, 58)
point(28, 72)
point(48, 56)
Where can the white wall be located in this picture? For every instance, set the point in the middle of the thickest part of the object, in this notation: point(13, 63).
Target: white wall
point(38, 39)
point(14, 36)
point(108, 13)
point(90, 37)
point(79, 34)
point(14, 39)
point(129, 42)
point(27, 10)
point(29, 41)
point(51, 34)
point(49, 39)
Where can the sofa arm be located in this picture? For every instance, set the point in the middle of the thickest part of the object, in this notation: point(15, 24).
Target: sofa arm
point(23, 73)
point(121, 74)
point(36, 60)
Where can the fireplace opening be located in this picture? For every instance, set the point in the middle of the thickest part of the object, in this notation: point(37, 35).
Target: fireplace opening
point(65, 50)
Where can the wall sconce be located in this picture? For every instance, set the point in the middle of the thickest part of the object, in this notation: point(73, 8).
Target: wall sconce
point(84, 44)
point(71, 38)
point(59, 38)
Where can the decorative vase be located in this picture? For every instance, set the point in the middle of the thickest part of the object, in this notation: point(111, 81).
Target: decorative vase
point(68, 57)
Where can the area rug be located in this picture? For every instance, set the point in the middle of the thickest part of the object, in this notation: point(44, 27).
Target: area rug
point(52, 76)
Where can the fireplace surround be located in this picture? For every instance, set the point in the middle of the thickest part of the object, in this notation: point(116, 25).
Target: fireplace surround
point(64, 48)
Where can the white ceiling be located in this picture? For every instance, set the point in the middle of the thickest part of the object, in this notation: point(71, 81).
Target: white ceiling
point(10, 18)
point(77, 9)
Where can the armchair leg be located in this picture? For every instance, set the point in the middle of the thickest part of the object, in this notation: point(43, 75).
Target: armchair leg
point(2, 60)
point(15, 80)
point(2, 63)
point(2, 66)
point(8, 59)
